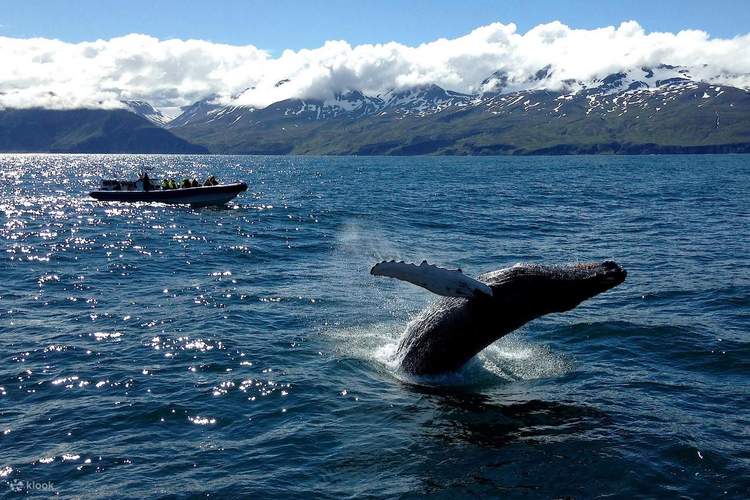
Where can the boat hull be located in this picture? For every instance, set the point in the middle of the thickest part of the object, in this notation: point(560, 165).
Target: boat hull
point(197, 196)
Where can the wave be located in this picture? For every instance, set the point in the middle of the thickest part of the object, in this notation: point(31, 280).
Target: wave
point(509, 359)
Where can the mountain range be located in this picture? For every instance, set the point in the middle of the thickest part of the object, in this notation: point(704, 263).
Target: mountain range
point(661, 109)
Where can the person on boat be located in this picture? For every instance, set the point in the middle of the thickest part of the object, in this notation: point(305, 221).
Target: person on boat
point(146, 182)
point(165, 184)
point(185, 183)
point(194, 183)
point(211, 181)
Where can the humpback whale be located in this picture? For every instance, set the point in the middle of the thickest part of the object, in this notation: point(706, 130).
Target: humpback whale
point(473, 313)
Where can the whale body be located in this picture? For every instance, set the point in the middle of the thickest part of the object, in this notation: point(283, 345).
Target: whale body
point(451, 331)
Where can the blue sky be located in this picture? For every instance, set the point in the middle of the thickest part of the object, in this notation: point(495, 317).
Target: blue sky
point(278, 24)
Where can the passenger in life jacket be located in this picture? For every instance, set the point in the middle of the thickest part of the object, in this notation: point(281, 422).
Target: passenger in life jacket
point(172, 184)
point(194, 183)
point(165, 184)
point(185, 183)
point(211, 181)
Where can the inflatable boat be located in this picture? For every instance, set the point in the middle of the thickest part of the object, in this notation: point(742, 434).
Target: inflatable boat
point(218, 194)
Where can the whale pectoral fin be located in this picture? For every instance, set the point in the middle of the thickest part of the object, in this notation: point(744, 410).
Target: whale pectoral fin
point(445, 282)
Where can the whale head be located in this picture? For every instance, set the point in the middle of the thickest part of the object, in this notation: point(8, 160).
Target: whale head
point(580, 282)
point(547, 289)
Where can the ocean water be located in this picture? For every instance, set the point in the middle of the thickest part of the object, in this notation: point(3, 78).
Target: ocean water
point(152, 350)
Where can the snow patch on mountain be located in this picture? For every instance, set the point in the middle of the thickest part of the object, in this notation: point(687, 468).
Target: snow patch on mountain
point(147, 111)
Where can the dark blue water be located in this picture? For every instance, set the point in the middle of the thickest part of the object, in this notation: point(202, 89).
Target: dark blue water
point(246, 351)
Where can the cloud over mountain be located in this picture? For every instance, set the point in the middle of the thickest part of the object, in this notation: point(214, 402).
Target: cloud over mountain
point(172, 73)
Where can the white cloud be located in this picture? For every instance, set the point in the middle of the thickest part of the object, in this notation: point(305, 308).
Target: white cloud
point(172, 73)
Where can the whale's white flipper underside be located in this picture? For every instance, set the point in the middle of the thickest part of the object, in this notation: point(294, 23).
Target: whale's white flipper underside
point(445, 282)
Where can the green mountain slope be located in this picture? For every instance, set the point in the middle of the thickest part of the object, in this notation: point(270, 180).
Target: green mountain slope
point(86, 131)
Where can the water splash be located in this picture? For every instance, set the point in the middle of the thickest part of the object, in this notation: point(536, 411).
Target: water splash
point(509, 359)
point(370, 245)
